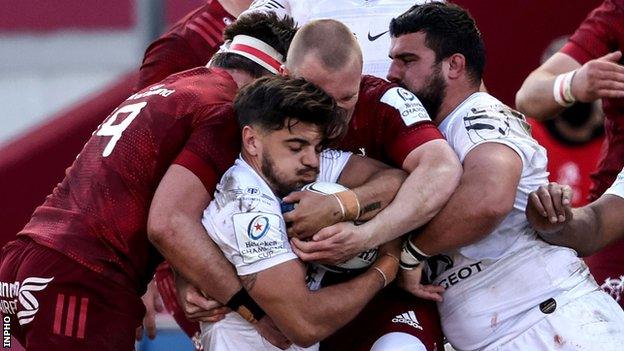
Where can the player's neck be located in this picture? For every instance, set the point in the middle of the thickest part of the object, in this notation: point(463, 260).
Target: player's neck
point(254, 163)
point(240, 77)
point(453, 98)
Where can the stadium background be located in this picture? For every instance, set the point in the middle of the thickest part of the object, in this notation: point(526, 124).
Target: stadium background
point(65, 64)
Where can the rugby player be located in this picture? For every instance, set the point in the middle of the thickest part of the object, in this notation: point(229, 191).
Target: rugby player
point(80, 265)
point(285, 124)
point(386, 123)
point(191, 42)
point(505, 288)
point(589, 67)
point(368, 20)
point(587, 229)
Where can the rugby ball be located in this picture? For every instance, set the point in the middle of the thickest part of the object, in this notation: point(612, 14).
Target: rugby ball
point(359, 262)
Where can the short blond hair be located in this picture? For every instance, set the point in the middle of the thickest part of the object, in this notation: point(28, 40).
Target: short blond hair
point(331, 41)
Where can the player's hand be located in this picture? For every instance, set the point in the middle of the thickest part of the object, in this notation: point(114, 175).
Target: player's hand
point(599, 78)
point(550, 207)
point(313, 212)
point(153, 305)
point(269, 331)
point(411, 281)
point(196, 306)
point(332, 245)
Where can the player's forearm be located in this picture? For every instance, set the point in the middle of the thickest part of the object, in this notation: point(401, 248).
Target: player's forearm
point(183, 241)
point(581, 234)
point(470, 215)
point(323, 312)
point(535, 98)
point(421, 196)
point(378, 191)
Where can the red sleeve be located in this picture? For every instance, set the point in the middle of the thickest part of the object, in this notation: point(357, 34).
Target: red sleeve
point(167, 55)
point(600, 33)
point(212, 146)
point(399, 139)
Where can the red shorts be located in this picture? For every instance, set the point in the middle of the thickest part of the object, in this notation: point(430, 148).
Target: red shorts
point(166, 288)
point(392, 310)
point(54, 303)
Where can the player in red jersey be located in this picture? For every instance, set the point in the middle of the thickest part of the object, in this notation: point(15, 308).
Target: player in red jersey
point(191, 42)
point(387, 123)
point(78, 268)
point(587, 68)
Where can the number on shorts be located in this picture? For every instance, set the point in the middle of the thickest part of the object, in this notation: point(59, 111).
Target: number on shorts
point(114, 130)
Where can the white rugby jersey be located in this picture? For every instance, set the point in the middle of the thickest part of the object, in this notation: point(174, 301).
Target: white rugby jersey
point(245, 220)
point(495, 286)
point(368, 19)
point(617, 188)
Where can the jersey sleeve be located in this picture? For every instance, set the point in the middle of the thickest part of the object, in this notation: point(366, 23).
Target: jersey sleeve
point(245, 221)
point(332, 162)
point(598, 34)
point(408, 124)
point(491, 124)
point(617, 188)
point(165, 56)
point(281, 8)
point(212, 146)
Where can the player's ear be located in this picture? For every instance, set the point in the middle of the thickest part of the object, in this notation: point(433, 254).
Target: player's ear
point(456, 64)
point(284, 71)
point(250, 140)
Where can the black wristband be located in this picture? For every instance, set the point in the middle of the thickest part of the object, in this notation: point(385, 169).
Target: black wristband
point(242, 298)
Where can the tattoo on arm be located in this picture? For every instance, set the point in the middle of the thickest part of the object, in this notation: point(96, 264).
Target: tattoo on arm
point(371, 207)
point(249, 281)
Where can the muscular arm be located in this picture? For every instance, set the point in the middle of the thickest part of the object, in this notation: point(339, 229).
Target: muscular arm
point(535, 97)
point(587, 229)
point(305, 316)
point(374, 183)
point(599, 78)
point(484, 197)
point(174, 227)
point(434, 172)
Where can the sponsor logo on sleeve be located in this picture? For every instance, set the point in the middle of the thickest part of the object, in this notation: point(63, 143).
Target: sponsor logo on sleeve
point(259, 236)
point(410, 108)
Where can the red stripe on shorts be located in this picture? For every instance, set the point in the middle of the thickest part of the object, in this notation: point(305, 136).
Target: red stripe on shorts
point(58, 314)
point(82, 318)
point(71, 311)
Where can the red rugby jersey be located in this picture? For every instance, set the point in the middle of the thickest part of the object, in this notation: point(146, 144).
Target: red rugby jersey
point(600, 33)
point(190, 43)
point(377, 129)
point(98, 214)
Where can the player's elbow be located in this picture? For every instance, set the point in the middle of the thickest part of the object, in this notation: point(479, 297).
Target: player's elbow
point(306, 335)
point(161, 227)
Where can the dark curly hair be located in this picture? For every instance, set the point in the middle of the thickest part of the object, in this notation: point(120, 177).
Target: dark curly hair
point(275, 31)
point(275, 102)
point(449, 29)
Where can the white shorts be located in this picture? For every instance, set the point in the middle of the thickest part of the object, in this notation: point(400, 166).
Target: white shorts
point(590, 322)
point(233, 333)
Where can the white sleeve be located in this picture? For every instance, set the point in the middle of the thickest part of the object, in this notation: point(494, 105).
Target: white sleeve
point(332, 162)
point(245, 221)
point(617, 188)
point(490, 124)
point(281, 7)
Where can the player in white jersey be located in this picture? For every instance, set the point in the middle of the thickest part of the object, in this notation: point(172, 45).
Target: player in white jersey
point(285, 125)
point(505, 288)
point(368, 19)
point(586, 229)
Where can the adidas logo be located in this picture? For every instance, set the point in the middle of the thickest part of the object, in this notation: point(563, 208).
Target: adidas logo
point(408, 318)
